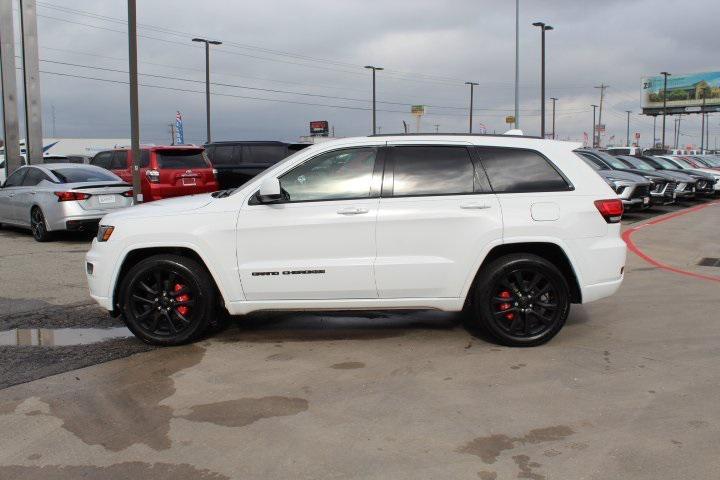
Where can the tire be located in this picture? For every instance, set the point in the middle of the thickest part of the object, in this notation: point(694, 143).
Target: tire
point(519, 300)
point(167, 300)
point(38, 225)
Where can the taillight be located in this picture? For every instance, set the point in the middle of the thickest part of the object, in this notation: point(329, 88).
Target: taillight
point(152, 175)
point(127, 194)
point(69, 196)
point(214, 170)
point(611, 209)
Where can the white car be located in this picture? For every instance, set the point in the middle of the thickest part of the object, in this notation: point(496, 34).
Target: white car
point(511, 229)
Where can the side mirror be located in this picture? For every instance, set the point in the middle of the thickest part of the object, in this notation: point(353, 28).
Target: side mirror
point(269, 191)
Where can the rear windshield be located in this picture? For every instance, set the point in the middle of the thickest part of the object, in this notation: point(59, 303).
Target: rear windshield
point(82, 174)
point(181, 159)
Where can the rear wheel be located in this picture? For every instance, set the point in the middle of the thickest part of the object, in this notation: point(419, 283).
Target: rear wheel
point(520, 300)
point(167, 299)
point(38, 225)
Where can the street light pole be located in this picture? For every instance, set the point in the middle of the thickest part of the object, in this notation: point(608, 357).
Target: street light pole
point(472, 85)
point(207, 80)
point(553, 116)
point(374, 69)
point(627, 137)
point(664, 74)
point(517, 63)
point(593, 129)
point(134, 103)
point(543, 29)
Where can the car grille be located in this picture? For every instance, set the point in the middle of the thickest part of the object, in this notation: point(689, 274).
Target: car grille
point(641, 191)
point(670, 189)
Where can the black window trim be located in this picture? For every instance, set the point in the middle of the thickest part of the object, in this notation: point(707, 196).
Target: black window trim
point(388, 185)
point(570, 186)
point(375, 181)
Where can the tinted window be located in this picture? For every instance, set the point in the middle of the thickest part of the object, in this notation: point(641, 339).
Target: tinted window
point(181, 159)
point(333, 175)
point(57, 160)
point(83, 174)
point(514, 170)
point(33, 177)
point(119, 160)
point(268, 154)
point(426, 170)
point(592, 162)
point(632, 162)
point(102, 160)
point(223, 155)
point(15, 180)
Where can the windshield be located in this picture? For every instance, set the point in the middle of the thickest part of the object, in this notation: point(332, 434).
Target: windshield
point(612, 161)
point(710, 161)
point(665, 163)
point(637, 163)
point(84, 174)
point(679, 161)
point(181, 159)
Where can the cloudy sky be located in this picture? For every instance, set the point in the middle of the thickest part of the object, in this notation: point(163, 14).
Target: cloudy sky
point(284, 63)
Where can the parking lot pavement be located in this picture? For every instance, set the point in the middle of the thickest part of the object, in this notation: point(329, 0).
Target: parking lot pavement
point(627, 390)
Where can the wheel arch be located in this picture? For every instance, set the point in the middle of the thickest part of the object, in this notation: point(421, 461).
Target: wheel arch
point(136, 255)
point(551, 252)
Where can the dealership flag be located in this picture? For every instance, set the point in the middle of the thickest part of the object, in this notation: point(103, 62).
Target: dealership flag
point(585, 139)
point(179, 134)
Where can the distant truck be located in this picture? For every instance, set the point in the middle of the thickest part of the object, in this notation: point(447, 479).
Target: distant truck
point(237, 162)
point(56, 147)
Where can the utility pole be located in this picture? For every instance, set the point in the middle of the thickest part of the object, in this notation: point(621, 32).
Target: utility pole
point(8, 81)
point(627, 136)
point(31, 82)
point(52, 109)
point(602, 88)
point(594, 126)
point(374, 69)
point(517, 63)
point(207, 79)
point(553, 116)
point(437, 128)
point(172, 133)
point(134, 104)
point(543, 28)
point(472, 85)
point(654, 134)
point(664, 74)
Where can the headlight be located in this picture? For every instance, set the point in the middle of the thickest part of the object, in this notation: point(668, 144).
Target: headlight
point(104, 232)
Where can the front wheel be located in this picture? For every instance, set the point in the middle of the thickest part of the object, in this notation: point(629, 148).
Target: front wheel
point(521, 300)
point(167, 299)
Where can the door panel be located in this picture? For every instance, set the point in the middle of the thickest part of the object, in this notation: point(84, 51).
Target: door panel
point(433, 220)
point(308, 250)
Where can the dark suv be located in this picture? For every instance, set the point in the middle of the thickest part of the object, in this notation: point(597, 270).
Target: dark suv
point(237, 162)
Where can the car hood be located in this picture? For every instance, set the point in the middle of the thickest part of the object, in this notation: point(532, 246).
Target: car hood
point(163, 207)
point(621, 175)
point(649, 173)
point(679, 177)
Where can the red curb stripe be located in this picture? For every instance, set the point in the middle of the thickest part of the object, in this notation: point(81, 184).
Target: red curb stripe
point(627, 236)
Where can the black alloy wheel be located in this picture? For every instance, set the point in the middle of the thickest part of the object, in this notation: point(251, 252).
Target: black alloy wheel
point(167, 299)
point(521, 300)
point(38, 226)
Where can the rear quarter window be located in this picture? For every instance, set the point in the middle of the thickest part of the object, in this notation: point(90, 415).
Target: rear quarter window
point(512, 170)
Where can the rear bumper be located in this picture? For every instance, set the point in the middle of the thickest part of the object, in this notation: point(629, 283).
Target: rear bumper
point(590, 293)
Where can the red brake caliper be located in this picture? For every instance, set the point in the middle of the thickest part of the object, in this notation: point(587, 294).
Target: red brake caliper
point(506, 306)
point(182, 310)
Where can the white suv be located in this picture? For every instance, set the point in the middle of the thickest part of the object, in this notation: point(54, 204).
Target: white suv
point(510, 229)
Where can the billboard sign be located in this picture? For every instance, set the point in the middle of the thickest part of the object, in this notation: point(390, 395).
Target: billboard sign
point(685, 93)
point(417, 110)
point(320, 127)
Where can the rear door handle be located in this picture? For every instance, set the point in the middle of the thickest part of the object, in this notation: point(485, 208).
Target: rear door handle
point(352, 211)
point(475, 205)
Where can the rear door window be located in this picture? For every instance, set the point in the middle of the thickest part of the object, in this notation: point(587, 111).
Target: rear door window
point(119, 160)
point(181, 159)
point(512, 170)
point(265, 154)
point(222, 155)
point(33, 177)
point(103, 160)
point(432, 170)
point(15, 180)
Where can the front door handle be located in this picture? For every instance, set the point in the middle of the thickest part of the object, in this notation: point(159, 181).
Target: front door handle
point(475, 205)
point(352, 211)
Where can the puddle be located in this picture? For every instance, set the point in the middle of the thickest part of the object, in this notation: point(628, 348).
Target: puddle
point(58, 337)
